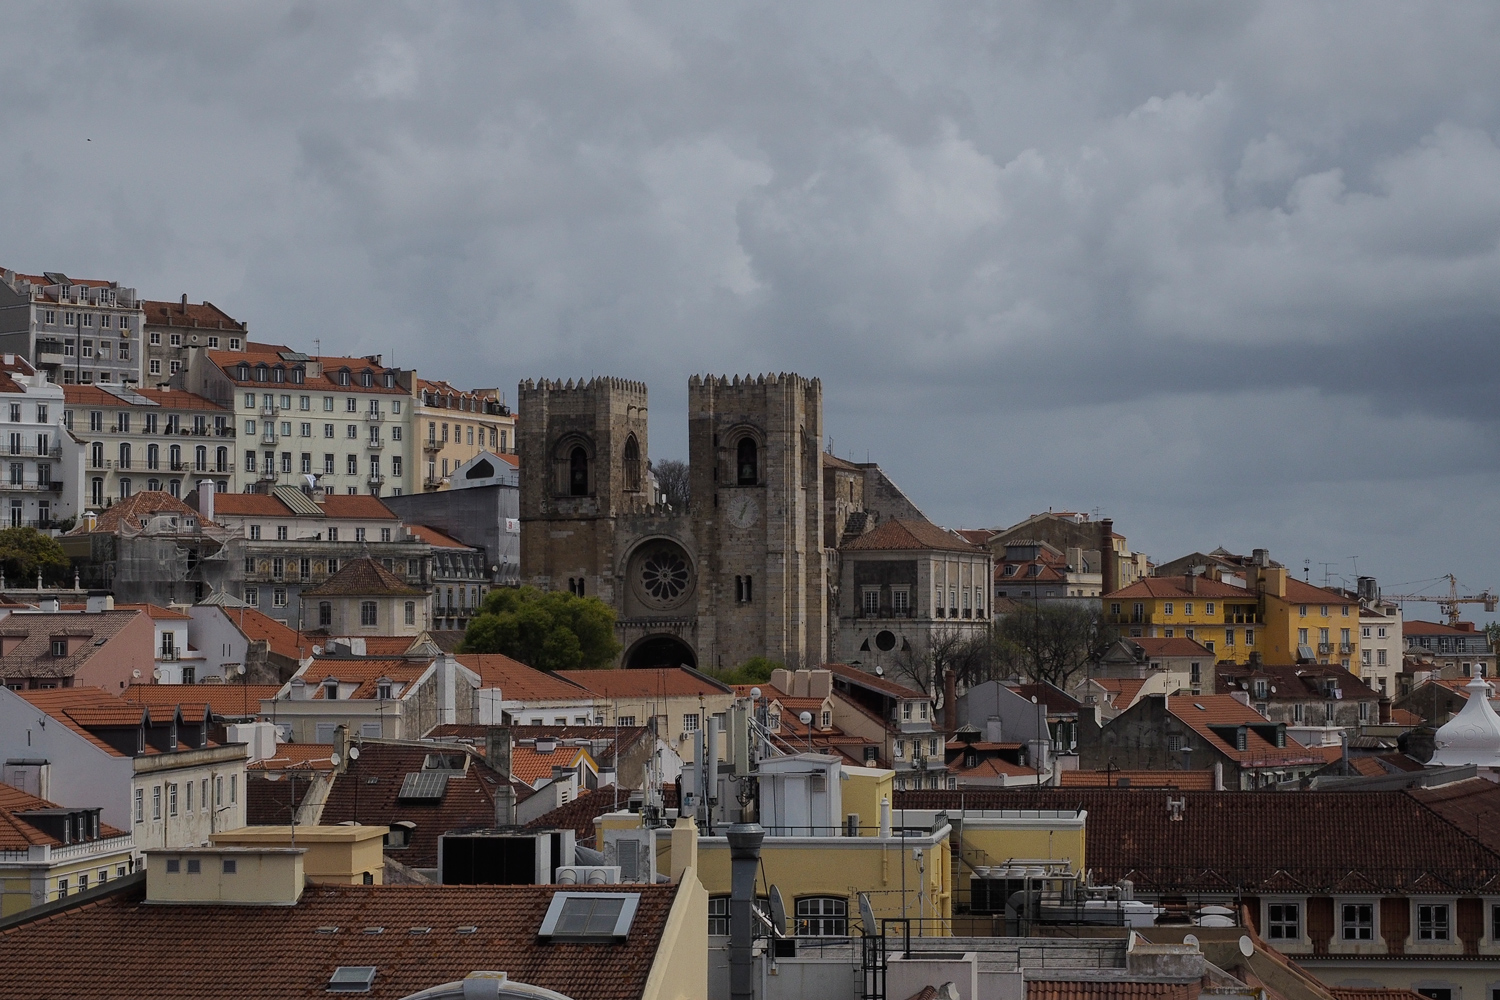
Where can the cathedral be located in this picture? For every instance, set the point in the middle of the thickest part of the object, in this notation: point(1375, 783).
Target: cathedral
point(743, 572)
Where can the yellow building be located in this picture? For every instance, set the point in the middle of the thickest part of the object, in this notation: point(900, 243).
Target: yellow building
point(1224, 618)
point(341, 855)
point(1307, 622)
point(48, 852)
point(454, 425)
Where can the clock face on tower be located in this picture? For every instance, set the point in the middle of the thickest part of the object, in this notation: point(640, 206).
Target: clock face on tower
point(742, 511)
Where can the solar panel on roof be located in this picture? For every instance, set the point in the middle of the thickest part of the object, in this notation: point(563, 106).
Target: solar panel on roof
point(424, 785)
point(299, 502)
point(293, 356)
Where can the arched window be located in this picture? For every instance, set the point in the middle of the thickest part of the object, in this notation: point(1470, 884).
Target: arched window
point(124, 455)
point(174, 455)
point(748, 463)
point(153, 457)
point(632, 465)
point(578, 473)
point(200, 458)
point(96, 458)
point(221, 459)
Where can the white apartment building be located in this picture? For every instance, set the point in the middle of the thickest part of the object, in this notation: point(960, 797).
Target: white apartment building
point(343, 424)
point(75, 331)
point(148, 439)
point(174, 329)
point(39, 484)
point(1380, 647)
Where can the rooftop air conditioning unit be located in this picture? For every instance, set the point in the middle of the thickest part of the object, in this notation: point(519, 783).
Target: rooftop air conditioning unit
point(588, 875)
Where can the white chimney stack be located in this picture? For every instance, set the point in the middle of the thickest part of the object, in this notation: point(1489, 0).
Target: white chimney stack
point(206, 499)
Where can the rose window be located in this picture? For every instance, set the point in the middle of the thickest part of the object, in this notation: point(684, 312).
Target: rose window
point(664, 574)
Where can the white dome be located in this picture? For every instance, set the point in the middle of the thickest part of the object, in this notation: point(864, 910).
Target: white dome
point(1473, 735)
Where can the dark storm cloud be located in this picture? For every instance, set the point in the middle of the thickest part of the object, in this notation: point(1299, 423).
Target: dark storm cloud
point(1225, 271)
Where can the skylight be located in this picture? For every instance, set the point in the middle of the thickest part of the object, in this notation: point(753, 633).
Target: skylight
point(589, 916)
point(352, 979)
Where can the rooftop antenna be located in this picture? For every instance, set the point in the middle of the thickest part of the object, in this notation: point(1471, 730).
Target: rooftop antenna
point(1307, 570)
point(1327, 571)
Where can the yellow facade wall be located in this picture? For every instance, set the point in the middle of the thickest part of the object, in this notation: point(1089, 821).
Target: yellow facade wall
point(18, 881)
point(680, 971)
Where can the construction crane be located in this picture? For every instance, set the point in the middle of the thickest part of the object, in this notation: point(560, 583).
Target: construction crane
point(1449, 603)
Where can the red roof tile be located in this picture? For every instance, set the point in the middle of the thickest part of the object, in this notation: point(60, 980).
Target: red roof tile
point(646, 683)
point(900, 534)
point(17, 833)
point(258, 626)
point(139, 508)
point(1201, 781)
point(363, 672)
point(432, 536)
point(201, 315)
point(531, 766)
point(1176, 587)
point(1161, 646)
point(313, 756)
point(1203, 712)
point(272, 953)
point(233, 700)
point(579, 815)
point(518, 681)
point(1416, 627)
point(360, 578)
point(156, 612)
point(870, 680)
point(1109, 989)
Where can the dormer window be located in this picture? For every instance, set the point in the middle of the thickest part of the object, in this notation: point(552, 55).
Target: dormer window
point(390, 381)
point(298, 374)
point(59, 647)
point(331, 689)
point(261, 373)
point(366, 379)
point(278, 374)
point(242, 373)
point(1260, 689)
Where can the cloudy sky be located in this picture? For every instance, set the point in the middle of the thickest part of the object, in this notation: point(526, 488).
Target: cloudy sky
point(1228, 273)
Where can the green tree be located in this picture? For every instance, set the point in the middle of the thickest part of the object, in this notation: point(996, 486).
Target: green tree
point(756, 670)
point(23, 551)
point(548, 630)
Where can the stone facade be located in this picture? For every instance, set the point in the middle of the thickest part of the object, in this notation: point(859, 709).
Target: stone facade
point(742, 573)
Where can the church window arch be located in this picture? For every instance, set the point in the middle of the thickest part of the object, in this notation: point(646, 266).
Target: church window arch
point(747, 462)
point(632, 465)
point(578, 472)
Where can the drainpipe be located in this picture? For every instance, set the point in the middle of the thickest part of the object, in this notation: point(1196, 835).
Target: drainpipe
point(744, 854)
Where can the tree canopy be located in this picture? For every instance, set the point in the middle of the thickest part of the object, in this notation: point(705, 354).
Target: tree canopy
point(548, 630)
point(1051, 641)
point(756, 670)
point(674, 479)
point(25, 550)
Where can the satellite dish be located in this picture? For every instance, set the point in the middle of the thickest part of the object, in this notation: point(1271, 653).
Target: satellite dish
point(354, 753)
point(317, 650)
point(136, 674)
point(778, 912)
point(273, 775)
point(867, 914)
point(805, 718)
point(755, 693)
point(239, 668)
point(156, 674)
point(1191, 939)
point(333, 759)
point(1247, 947)
point(879, 670)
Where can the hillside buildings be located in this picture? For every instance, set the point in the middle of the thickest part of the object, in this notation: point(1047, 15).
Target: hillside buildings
point(83, 331)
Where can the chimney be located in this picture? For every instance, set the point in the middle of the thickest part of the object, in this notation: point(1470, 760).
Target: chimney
point(497, 749)
point(206, 499)
point(1190, 582)
point(1261, 557)
point(744, 864)
point(1255, 658)
point(1107, 569)
point(99, 602)
point(184, 303)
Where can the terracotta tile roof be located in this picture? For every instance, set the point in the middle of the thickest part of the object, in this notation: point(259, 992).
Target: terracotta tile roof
point(138, 509)
point(1298, 592)
point(1175, 587)
point(1470, 805)
point(272, 953)
point(363, 671)
point(522, 683)
point(432, 536)
point(171, 399)
point(387, 645)
point(1347, 842)
point(17, 833)
point(60, 703)
point(646, 683)
point(468, 800)
point(834, 462)
point(360, 506)
point(272, 803)
point(1154, 646)
point(363, 577)
point(976, 536)
point(448, 640)
point(85, 710)
point(258, 626)
point(1373, 993)
point(579, 815)
point(250, 505)
point(990, 767)
point(32, 656)
point(202, 315)
point(1109, 989)
point(1416, 627)
point(156, 612)
point(900, 534)
point(531, 766)
point(1199, 781)
point(264, 354)
point(1202, 712)
point(314, 756)
point(1294, 682)
point(1122, 691)
point(1404, 717)
point(865, 678)
point(232, 700)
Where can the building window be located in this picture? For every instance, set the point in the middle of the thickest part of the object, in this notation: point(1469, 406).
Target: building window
point(690, 722)
point(325, 613)
point(1358, 922)
point(411, 612)
point(1284, 921)
point(156, 802)
point(823, 916)
point(1432, 922)
point(747, 463)
point(140, 805)
point(578, 473)
point(632, 465)
point(718, 915)
point(367, 612)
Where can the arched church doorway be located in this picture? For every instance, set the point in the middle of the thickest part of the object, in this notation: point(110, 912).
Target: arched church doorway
point(660, 651)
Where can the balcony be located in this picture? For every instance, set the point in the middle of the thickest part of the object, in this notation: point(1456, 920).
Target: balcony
point(177, 466)
point(372, 416)
point(375, 444)
point(375, 479)
point(268, 411)
point(167, 654)
point(54, 486)
point(1346, 648)
point(268, 476)
point(1253, 619)
point(1128, 619)
point(267, 437)
point(432, 446)
point(1325, 648)
point(32, 451)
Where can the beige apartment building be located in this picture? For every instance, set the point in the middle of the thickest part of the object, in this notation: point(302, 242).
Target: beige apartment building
point(454, 425)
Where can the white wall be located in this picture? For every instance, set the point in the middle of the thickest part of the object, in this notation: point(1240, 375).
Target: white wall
point(213, 633)
point(80, 774)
